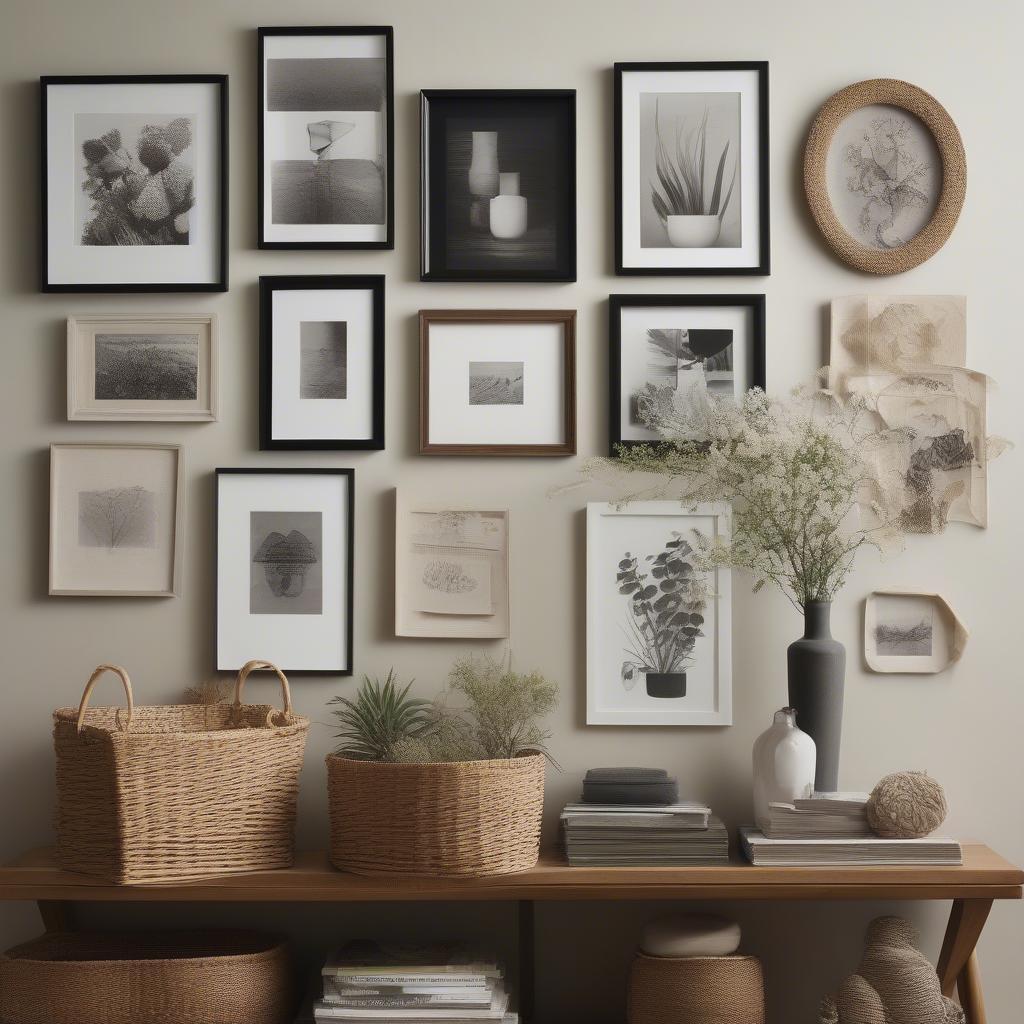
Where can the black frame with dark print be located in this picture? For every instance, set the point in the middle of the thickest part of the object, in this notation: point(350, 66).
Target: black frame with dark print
point(388, 32)
point(221, 284)
point(322, 282)
point(616, 304)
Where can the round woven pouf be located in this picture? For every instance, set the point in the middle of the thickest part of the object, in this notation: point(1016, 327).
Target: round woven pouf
point(696, 990)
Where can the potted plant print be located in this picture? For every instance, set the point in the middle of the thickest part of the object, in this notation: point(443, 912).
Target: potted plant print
point(666, 598)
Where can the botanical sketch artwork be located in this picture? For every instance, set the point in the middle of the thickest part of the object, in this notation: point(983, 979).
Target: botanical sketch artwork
point(136, 178)
point(681, 359)
point(452, 584)
point(665, 599)
point(911, 631)
point(147, 367)
point(689, 169)
point(118, 517)
point(886, 176)
point(495, 383)
point(327, 139)
point(286, 575)
point(323, 359)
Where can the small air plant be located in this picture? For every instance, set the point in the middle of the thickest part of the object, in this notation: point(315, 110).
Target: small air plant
point(681, 174)
point(380, 718)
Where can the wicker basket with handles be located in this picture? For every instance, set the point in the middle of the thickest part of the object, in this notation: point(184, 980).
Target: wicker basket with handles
point(161, 794)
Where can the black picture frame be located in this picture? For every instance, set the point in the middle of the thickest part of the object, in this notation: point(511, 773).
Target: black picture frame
point(373, 283)
point(221, 282)
point(763, 266)
point(437, 106)
point(616, 304)
point(388, 32)
point(349, 623)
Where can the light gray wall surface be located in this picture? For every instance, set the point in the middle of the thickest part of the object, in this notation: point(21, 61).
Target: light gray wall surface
point(963, 725)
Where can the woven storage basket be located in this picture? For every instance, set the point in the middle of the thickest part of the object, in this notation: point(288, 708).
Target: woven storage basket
point(211, 977)
point(159, 794)
point(696, 990)
point(467, 818)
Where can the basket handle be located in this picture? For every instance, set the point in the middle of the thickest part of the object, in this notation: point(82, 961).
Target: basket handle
point(257, 665)
point(93, 680)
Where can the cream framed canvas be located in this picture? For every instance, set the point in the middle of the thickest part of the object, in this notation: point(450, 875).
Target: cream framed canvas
point(116, 519)
point(451, 570)
point(911, 632)
point(138, 367)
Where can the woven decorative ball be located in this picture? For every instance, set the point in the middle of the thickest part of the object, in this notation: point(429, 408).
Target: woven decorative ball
point(906, 805)
point(696, 990)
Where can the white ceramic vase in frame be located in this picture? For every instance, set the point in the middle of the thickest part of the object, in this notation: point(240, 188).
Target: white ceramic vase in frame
point(693, 231)
point(784, 763)
point(508, 208)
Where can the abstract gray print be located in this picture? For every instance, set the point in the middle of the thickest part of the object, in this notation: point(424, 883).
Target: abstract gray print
point(323, 359)
point(286, 573)
point(147, 367)
point(117, 517)
point(905, 638)
point(495, 383)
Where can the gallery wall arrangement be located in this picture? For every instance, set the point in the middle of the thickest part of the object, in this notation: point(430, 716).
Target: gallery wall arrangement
point(592, 460)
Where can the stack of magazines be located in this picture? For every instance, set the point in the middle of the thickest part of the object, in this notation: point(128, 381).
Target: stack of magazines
point(623, 835)
point(819, 816)
point(366, 983)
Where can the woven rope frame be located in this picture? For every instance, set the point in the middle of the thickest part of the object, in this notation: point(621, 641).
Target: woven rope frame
point(147, 978)
point(695, 990)
point(161, 794)
point(464, 819)
point(933, 115)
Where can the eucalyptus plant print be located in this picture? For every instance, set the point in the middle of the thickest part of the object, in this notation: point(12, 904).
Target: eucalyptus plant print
point(666, 596)
point(138, 180)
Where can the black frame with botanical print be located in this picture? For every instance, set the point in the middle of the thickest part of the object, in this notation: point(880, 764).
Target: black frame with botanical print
point(617, 303)
point(534, 129)
point(218, 281)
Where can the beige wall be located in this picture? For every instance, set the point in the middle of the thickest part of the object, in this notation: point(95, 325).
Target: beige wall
point(963, 726)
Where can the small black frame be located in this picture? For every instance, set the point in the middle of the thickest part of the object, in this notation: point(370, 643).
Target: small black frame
point(616, 304)
point(763, 266)
point(332, 282)
point(388, 32)
point(221, 283)
point(350, 474)
point(440, 104)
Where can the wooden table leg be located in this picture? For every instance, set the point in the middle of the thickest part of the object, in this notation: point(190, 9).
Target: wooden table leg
point(958, 966)
point(57, 915)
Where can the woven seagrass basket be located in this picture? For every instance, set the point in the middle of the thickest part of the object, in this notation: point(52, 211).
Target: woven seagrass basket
point(160, 794)
point(696, 990)
point(148, 978)
point(467, 818)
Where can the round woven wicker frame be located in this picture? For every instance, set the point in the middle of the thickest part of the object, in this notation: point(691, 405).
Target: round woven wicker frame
point(933, 115)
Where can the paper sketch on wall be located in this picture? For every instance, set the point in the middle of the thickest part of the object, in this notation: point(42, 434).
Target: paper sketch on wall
point(911, 631)
point(452, 584)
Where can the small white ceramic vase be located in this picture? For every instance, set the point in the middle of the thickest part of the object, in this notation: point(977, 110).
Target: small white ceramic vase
point(784, 759)
point(693, 231)
point(508, 208)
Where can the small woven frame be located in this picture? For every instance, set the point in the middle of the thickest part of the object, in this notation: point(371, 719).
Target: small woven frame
point(696, 990)
point(932, 114)
point(161, 794)
point(468, 818)
point(125, 978)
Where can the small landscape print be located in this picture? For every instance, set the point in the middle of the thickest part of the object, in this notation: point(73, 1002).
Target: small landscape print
point(456, 528)
point(885, 175)
point(682, 359)
point(136, 178)
point(323, 359)
point(286, 576)
point(116, 518)
point(147, 367)
point(495, 383)
point(452, 584)
point(326, 139)
point(904, 627)
point(690, 170)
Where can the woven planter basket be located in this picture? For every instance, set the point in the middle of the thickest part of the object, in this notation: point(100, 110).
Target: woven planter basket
point(696, 990)
point(151, 978)
point(161, 794)
point(467, 818)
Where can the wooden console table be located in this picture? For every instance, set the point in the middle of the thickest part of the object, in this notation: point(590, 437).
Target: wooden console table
point(972, 887)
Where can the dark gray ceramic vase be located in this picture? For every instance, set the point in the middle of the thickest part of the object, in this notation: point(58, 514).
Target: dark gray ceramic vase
point(817, 666)
point(666, 684)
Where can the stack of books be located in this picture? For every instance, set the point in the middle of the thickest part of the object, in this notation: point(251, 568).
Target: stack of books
point(819, 816)
point(365, 983)
point(637, 835)
point(874, 851)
